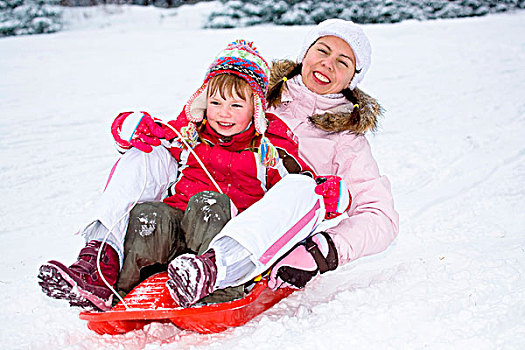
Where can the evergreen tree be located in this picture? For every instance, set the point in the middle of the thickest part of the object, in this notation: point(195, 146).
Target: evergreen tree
point(19, 17)
point(238, 13)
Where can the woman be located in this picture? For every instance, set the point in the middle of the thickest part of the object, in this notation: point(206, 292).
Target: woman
point(320, 103)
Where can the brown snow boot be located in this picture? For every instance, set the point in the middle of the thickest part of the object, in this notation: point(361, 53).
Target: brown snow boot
point(81, 282)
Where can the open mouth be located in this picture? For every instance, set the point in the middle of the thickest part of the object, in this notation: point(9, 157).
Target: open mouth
point(321, 78)
point(225, 125)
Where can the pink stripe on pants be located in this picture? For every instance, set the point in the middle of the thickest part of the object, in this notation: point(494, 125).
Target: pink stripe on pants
point(111, 174)
point(287, 237)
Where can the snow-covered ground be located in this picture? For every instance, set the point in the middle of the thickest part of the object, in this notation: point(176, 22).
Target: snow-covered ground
point(452, 144)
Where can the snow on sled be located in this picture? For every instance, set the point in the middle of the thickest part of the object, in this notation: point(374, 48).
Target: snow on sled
point(150, 302)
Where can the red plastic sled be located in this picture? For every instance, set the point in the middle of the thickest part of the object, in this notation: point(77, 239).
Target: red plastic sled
point(150, 302)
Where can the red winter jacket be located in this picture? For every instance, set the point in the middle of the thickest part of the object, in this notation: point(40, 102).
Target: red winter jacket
point(233, 163)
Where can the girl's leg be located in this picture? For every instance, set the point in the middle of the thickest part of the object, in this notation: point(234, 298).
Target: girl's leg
point(136, 177)
point(157, 233)
point(250, 243)
point(205, 216)
point(233, 261)
point(154, 237)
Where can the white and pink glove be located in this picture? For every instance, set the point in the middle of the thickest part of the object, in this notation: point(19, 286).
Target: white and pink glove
point(336, 196)
point(316, 254)
point(136, 129)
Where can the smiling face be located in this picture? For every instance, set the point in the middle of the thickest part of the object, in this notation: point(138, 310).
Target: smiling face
point(328, 66)
point(229, 107)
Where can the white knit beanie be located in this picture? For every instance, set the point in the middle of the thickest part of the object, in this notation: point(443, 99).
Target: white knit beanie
point(349, 32)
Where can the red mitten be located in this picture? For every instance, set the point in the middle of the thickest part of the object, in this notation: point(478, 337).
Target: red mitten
point(136, 129)
point(315, 254)
point(336, 196)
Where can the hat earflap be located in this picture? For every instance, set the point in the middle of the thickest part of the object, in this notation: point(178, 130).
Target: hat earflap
point(196, 106)
point(194, 110)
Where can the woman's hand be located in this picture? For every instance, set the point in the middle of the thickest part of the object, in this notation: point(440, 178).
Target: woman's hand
point(136, 129)
point(313, 255)
point(336, 196)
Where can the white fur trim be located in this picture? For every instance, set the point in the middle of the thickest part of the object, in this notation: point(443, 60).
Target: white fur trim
point(130, 124)
point(196, 105)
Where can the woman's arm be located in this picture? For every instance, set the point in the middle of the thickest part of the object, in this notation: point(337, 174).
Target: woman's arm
point(373, 222)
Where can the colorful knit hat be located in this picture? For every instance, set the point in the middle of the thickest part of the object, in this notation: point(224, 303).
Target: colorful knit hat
point(242, 59)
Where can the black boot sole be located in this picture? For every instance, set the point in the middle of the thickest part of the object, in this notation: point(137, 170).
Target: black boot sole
point(55, 286)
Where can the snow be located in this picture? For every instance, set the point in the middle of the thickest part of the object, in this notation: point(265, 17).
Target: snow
point(147, 225)
point(451, 143)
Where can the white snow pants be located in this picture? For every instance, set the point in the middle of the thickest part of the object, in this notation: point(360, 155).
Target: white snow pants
point(136, 177)
point(248, 245)
point(255, 239)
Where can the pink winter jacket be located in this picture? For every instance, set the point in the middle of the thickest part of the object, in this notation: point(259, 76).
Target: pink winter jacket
point(372, 222)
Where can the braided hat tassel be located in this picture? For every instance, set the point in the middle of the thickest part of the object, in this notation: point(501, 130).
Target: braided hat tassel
point(268, 154)
point(190, 136)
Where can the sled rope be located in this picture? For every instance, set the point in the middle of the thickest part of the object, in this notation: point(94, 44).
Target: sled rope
point(195, 155)
point(199, 161)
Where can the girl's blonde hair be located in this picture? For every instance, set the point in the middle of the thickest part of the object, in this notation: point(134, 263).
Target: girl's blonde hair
point(226, 84)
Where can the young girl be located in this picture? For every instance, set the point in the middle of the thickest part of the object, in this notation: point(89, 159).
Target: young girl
point(226, 132)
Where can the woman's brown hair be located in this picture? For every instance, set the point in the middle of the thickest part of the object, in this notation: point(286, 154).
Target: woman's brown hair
point(274, 92)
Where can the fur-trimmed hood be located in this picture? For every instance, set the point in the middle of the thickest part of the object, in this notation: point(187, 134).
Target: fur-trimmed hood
point(340, 118)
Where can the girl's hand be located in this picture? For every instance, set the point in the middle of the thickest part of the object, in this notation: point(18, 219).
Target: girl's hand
point(136, 129)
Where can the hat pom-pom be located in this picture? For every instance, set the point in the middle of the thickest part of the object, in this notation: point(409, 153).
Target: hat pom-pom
point(243, 43)
point(267, 153)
